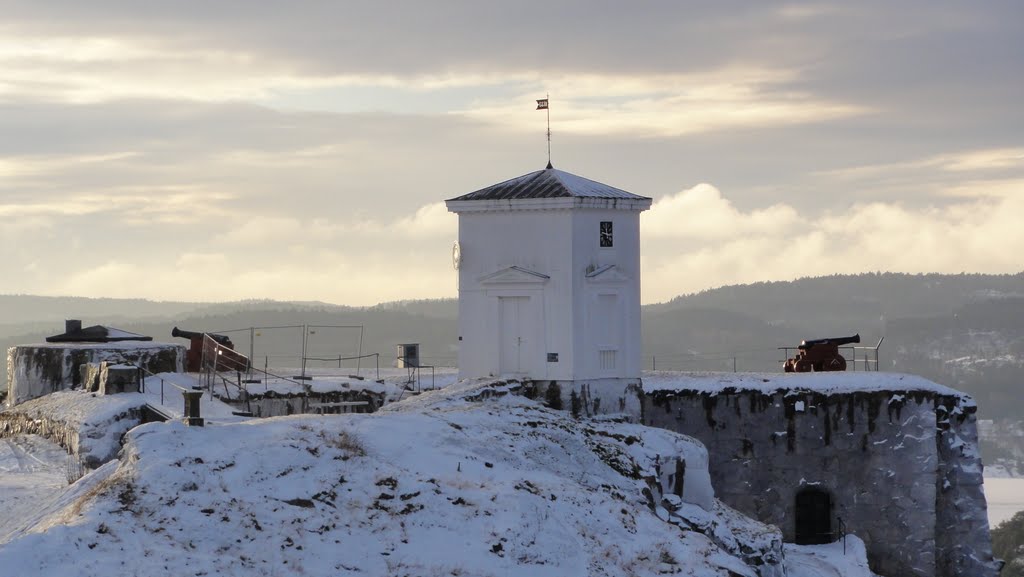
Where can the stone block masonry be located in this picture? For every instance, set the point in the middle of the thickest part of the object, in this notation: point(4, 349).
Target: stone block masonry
point(899, 467)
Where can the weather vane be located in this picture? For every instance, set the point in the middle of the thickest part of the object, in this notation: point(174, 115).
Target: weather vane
point(542, 104)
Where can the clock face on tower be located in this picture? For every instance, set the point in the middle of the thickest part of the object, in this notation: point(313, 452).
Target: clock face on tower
point(606, 233)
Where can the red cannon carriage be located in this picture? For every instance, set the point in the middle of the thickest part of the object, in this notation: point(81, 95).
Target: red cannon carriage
point(820, 355)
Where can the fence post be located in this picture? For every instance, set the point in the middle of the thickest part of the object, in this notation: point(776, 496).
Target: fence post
point(305, 337)
point(252, 351)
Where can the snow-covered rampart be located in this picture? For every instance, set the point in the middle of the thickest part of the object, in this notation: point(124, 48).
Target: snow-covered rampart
point(86, 424)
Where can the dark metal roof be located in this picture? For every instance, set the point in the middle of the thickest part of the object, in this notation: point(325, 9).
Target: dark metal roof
point(96, 334)
point(548, 183)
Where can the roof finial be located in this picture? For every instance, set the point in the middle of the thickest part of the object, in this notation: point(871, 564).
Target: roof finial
point(542, 104)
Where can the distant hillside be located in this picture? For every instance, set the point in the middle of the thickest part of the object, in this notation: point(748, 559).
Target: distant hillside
point(963, 330)
point(28, 309)
point(852, 302)
point(699, 339)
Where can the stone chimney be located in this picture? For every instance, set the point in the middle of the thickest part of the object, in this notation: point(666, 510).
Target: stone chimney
point(72, 326)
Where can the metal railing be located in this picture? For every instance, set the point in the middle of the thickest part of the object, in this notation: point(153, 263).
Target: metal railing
point(842, 528)
point(163, 382)
point(339, 358)
point(866, 359)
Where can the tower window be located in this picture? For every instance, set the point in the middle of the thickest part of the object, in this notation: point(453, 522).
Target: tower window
point(606, 233)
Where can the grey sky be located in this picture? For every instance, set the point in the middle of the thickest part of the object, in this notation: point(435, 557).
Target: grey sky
point(198, 150)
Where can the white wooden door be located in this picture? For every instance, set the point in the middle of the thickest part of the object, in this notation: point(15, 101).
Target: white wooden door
point(513, 322)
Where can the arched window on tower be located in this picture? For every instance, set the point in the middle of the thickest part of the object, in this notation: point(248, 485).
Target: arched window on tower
point(813, 517)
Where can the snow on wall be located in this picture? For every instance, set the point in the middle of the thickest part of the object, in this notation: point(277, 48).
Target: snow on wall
point(40, 369)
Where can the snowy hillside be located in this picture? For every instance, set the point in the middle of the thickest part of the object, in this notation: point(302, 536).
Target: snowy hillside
point(441, 485)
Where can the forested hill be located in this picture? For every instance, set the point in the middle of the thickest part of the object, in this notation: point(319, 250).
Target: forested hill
point(963, 330)
point(838, 301)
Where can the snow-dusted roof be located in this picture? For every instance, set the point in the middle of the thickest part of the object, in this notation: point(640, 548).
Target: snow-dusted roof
point(97, 334)
point(548, 183)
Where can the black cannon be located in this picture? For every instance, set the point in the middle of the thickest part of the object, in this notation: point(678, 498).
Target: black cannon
point(820, 355)
point(221, 339)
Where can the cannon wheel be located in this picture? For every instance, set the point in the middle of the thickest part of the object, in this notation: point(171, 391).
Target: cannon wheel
point(804, 366)
point(837, 363)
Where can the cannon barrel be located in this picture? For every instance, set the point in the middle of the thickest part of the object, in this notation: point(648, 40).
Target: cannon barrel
point(221, 339)
point(176, 332)
point(838, 341)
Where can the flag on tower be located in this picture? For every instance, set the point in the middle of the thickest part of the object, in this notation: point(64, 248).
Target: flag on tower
point(542, 104)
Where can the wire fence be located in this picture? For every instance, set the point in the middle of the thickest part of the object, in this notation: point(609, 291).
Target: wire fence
point(307, 348)
point(300, 346)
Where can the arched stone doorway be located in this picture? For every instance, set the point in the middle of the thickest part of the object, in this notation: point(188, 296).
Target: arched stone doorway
point(813, 517)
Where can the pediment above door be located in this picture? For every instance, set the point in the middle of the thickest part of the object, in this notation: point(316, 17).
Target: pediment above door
point(513, 275)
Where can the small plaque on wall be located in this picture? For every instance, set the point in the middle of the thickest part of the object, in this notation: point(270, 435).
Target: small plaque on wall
point(552, 357)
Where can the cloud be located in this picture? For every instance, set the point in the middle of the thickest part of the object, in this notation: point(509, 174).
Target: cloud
point(20, 167)
point(701, 213)
point(430, 220)
point(669, 105)
point(782, 243)
point(283, 141)
point(352, 262)
point(691, 240)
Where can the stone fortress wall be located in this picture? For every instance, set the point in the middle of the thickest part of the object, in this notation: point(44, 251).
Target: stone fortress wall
point(899, 467)
point(37, 370)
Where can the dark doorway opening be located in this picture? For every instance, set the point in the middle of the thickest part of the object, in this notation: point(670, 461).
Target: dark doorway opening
point(813, 517)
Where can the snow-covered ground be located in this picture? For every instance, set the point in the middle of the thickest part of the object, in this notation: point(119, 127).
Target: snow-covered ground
point(837, 559)
point(33, 471)
point(468, 481)
point(325, 380)
point(441, 486)
point(164, 392)
point(393, 383)
point(88, 424)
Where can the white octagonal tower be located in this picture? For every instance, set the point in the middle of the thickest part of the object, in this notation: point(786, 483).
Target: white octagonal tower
point(549, 280)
